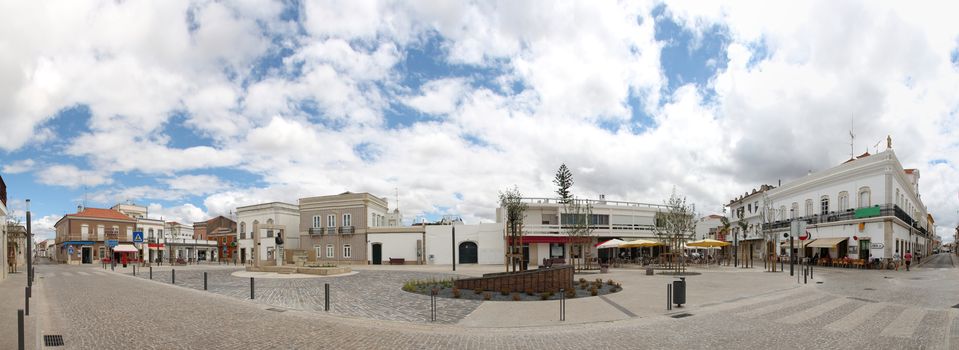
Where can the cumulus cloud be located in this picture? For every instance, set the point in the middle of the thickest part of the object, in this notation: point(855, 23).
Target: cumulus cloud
point(20, 166)
point(72, 177)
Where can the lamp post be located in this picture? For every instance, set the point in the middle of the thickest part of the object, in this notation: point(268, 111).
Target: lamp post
point(29, 248)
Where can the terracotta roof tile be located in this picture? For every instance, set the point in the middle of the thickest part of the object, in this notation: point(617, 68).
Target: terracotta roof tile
point(910, 171)
point(102, 214)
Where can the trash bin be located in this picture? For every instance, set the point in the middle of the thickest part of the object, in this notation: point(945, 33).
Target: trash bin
point(649, 271)
point(679, 291)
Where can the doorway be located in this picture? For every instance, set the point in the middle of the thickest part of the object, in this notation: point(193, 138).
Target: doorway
point(377, 254)
point(468, 253)
point(243, 256)
point(864, 249)
point(86, 255)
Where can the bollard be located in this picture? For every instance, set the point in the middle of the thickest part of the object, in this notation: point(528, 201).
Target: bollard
point(204, 280)
point(810, 271)
point(326, 304)
point(433, 305)
point(20, 338)
point(669, 296)
point(26, 301)
point(805, 274)
point(781, 265)
point(173, 276)
point(151, 272)
point(29, 291)
point(562, 304)
point(134, 270)
point(251, 289)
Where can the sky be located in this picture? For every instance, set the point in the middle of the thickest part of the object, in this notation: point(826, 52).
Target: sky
point(193, 108)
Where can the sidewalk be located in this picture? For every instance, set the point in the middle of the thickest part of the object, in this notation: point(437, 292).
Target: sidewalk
point(11, 300)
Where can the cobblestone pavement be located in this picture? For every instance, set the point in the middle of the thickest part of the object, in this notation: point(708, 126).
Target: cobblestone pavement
point(369, 293)
point(96, 309)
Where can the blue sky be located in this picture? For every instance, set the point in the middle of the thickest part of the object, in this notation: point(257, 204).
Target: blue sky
point(196, 108)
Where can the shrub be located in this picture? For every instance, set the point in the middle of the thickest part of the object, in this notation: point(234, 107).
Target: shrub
point(570, 293)
point(504, 291)
point(582, 280)
point(478, 290)
point(487, 295)
point(594, 291)
point(516, 297)
point(529, 291)
point(583, 286)
point(544, 296)
point(599, 281)
point(456, 292)
point(610, 282)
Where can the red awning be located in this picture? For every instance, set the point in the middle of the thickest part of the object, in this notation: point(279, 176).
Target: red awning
point(155, 245)
point(543, 239)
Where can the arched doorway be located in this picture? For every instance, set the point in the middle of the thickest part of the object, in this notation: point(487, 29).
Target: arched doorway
point(468, 253)
point(377, 254)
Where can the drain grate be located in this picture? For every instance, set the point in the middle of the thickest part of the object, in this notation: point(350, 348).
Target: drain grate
point(53, 340)
point(863, 299)
point(276, 310)
point(869, 289)
point(685, 314)
point(820, 282)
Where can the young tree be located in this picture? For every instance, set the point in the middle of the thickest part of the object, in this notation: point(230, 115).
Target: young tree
point(576, 224)
point(563, 181)
point(676, 225)
point(743, 231)
point(724, 230)
point(512, 203)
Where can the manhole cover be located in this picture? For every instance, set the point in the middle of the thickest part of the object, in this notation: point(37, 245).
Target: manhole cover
point(685, 314)
point(869, 289)
point(53, 340)
point(820, 282)
point(276, 310)
point(886, 277)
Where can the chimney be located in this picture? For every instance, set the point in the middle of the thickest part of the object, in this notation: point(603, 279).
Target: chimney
point(79, 208)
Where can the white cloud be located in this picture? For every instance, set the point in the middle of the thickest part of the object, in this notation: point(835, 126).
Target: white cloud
point(184, 214)
point(20, 166)
point(438, 97)
point(72, 177)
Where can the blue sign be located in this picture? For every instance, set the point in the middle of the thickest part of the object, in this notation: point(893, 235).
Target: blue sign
point(70, 250)
point(112, 243)
point(137, 236)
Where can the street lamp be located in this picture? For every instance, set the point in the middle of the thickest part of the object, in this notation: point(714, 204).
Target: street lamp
point(29, 248)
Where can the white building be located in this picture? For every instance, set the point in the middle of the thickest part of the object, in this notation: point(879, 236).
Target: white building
point(181, 242)
point(545, 237)
point(3, 229)
point(868, 207)
point(475, 244)
point(266, 220)
point(708, 227)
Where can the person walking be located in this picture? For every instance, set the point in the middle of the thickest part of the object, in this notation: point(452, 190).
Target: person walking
point(908, 258)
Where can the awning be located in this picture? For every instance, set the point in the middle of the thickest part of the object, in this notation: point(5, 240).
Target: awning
point(125, 248)
point(830, 242)
point(155, 246)
point(613, 243)
point(796, 243)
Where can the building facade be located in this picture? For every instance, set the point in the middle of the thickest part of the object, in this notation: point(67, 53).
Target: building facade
point(258, 227)
point(221, 230)
point(85, 234)
point(546, 226)
point(866, 208)
point(3, 229)
point(334, 228)
point(16, 247)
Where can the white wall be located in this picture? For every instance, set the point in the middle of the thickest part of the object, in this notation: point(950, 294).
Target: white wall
point(395, 245)
point(488, 238)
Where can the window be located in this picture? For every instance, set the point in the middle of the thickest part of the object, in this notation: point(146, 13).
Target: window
point(331, 221)
point(102, 253)
point(808, 207)
point(347, 220)
point(898, 197)
point(269, 221)
point(318, 250)
point(347, 251)
point(782, 212)
point(865, 197)
point(84, 231)
point(795, 210)
point(599, 219)
point(129, 232)
point(824, 208)
point(749, 207)
point(843, 201)
point(329, 251)
point(99, 232)
point(269, 233)
point(317, 222)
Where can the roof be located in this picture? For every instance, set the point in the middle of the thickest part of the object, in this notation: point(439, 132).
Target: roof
point(910, 171)
point(102, 214)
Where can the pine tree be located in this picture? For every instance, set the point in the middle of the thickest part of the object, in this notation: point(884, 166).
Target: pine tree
point(563, 180)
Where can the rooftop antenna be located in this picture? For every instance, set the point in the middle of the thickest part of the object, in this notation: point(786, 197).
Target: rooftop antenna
point(397, 194)
point(876, 147)
point(852, 137)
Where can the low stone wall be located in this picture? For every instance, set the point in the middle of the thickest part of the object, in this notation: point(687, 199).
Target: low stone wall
point(539, 280)
point(321, 271)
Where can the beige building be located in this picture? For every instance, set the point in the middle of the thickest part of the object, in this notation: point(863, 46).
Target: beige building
point(16, 247)
point(86, 232)
point(334, 228)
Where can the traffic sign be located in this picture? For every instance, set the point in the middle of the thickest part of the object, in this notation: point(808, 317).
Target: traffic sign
point(233, 244)
point(876, 246)
point(112, 243)
point(804, 236)
point(70, 249)
point(137, 236)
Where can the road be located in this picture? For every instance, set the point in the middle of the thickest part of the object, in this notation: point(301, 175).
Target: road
point(938, 261)
point(96, 309)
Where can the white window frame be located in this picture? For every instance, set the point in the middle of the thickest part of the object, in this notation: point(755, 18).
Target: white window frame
point(330, 251)
point(864, 191)
point(100, 231)
point(318, 249)
point(824, 205)
point(84, 232)
point(317, 221)
point(347, 220)
point(331, 220)
point(347, 251)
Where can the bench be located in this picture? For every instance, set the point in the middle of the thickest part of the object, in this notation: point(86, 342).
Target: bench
point(397, 261)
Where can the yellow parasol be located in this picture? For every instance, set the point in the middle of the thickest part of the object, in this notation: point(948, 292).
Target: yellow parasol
point(640, 243)
point(707, 243)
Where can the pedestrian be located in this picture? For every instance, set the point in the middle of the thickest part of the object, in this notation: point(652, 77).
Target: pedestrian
point(908, 258)
point(918, 259)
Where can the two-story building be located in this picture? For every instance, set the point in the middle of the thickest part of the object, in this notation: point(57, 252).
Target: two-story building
point(867, 207)
point(334, 228)
point(154, 238)
point(746, 216)
point(222, 231)
point(259, 226)
point(81, 237)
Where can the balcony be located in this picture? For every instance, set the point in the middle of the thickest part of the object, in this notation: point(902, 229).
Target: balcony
point(3, 192)
point(346, 230)
point(318, 231)
point(850, 214)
